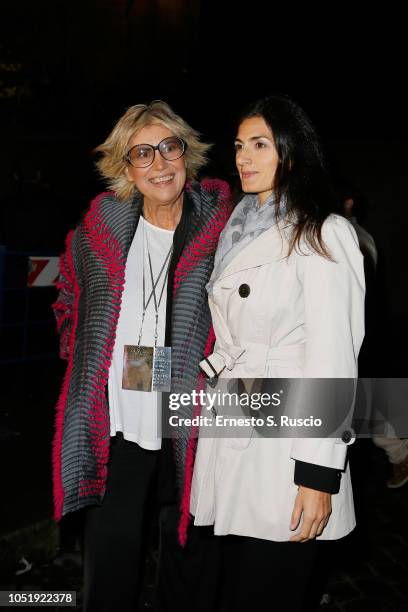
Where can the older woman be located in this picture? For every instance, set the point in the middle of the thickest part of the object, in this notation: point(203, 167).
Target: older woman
point(134, 322)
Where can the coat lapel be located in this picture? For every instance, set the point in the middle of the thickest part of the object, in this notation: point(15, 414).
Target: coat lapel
point(270, 246)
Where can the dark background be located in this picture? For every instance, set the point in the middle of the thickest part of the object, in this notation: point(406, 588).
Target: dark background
point(68, 70)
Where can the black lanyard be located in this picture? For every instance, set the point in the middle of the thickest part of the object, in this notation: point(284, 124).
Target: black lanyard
point(154, 285)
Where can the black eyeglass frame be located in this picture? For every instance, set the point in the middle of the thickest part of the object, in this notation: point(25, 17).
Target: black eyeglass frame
point(157, 148)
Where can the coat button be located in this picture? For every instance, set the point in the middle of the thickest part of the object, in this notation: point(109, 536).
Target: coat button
point(244, 290)
point(347, 436)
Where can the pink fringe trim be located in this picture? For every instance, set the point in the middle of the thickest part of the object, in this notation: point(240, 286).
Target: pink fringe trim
point(206, 241)
point(58, 491)
point(185, 517)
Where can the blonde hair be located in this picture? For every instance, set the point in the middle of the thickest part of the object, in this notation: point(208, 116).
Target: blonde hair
point(112, 163)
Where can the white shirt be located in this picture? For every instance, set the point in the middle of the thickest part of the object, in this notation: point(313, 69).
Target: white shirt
point(137, 414)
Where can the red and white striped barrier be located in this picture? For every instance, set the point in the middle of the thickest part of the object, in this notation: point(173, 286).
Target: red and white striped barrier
point(42, 271)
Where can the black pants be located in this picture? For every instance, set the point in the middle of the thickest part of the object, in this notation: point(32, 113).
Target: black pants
point(255, 571)
point(189, 577)
point(113, 540)
point(262, 575)
point(113, 535)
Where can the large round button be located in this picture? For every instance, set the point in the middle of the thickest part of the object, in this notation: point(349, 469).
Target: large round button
point(347, 436)
point(244, 290)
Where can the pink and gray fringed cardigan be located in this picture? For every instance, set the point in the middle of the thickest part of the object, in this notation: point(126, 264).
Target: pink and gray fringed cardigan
point(91, 282)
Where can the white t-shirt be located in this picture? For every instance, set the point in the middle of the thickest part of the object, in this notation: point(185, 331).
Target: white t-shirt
point(137, 414)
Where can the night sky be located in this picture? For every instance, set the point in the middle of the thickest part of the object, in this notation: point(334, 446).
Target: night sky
point(68, 70)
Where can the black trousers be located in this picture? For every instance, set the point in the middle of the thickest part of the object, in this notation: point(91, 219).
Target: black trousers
point(189, 577)
point(211, 574)
point(114, 553)
point(262, 575)
point(113, 532)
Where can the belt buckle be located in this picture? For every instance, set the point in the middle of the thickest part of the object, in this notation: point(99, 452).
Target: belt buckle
point(211, 380)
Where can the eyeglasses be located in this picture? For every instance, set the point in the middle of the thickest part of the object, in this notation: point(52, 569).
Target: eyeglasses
point(142, 155)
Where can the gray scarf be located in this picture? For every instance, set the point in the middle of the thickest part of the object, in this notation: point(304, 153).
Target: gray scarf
point(247, 222)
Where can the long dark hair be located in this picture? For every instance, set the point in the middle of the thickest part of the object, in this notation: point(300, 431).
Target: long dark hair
point(301, 177)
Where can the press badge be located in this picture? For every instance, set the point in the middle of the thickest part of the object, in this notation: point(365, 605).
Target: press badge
point(146, 368)
point(161, 379)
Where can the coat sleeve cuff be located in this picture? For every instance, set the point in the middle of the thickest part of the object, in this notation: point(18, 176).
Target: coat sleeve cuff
point(318, 477)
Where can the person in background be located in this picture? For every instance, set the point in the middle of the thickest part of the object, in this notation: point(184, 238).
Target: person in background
point(396, 449)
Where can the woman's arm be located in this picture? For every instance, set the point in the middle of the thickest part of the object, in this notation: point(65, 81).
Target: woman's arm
point(334, 322)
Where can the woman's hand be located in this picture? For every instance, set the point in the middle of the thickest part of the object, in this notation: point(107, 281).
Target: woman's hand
point(316, 509)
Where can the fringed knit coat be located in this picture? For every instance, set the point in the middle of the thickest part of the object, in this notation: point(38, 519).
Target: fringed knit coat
point(91, 282)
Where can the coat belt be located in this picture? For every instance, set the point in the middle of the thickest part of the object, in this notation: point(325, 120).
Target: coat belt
point(227, 355)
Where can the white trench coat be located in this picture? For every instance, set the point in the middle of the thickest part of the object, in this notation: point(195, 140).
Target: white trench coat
point(303, 317)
